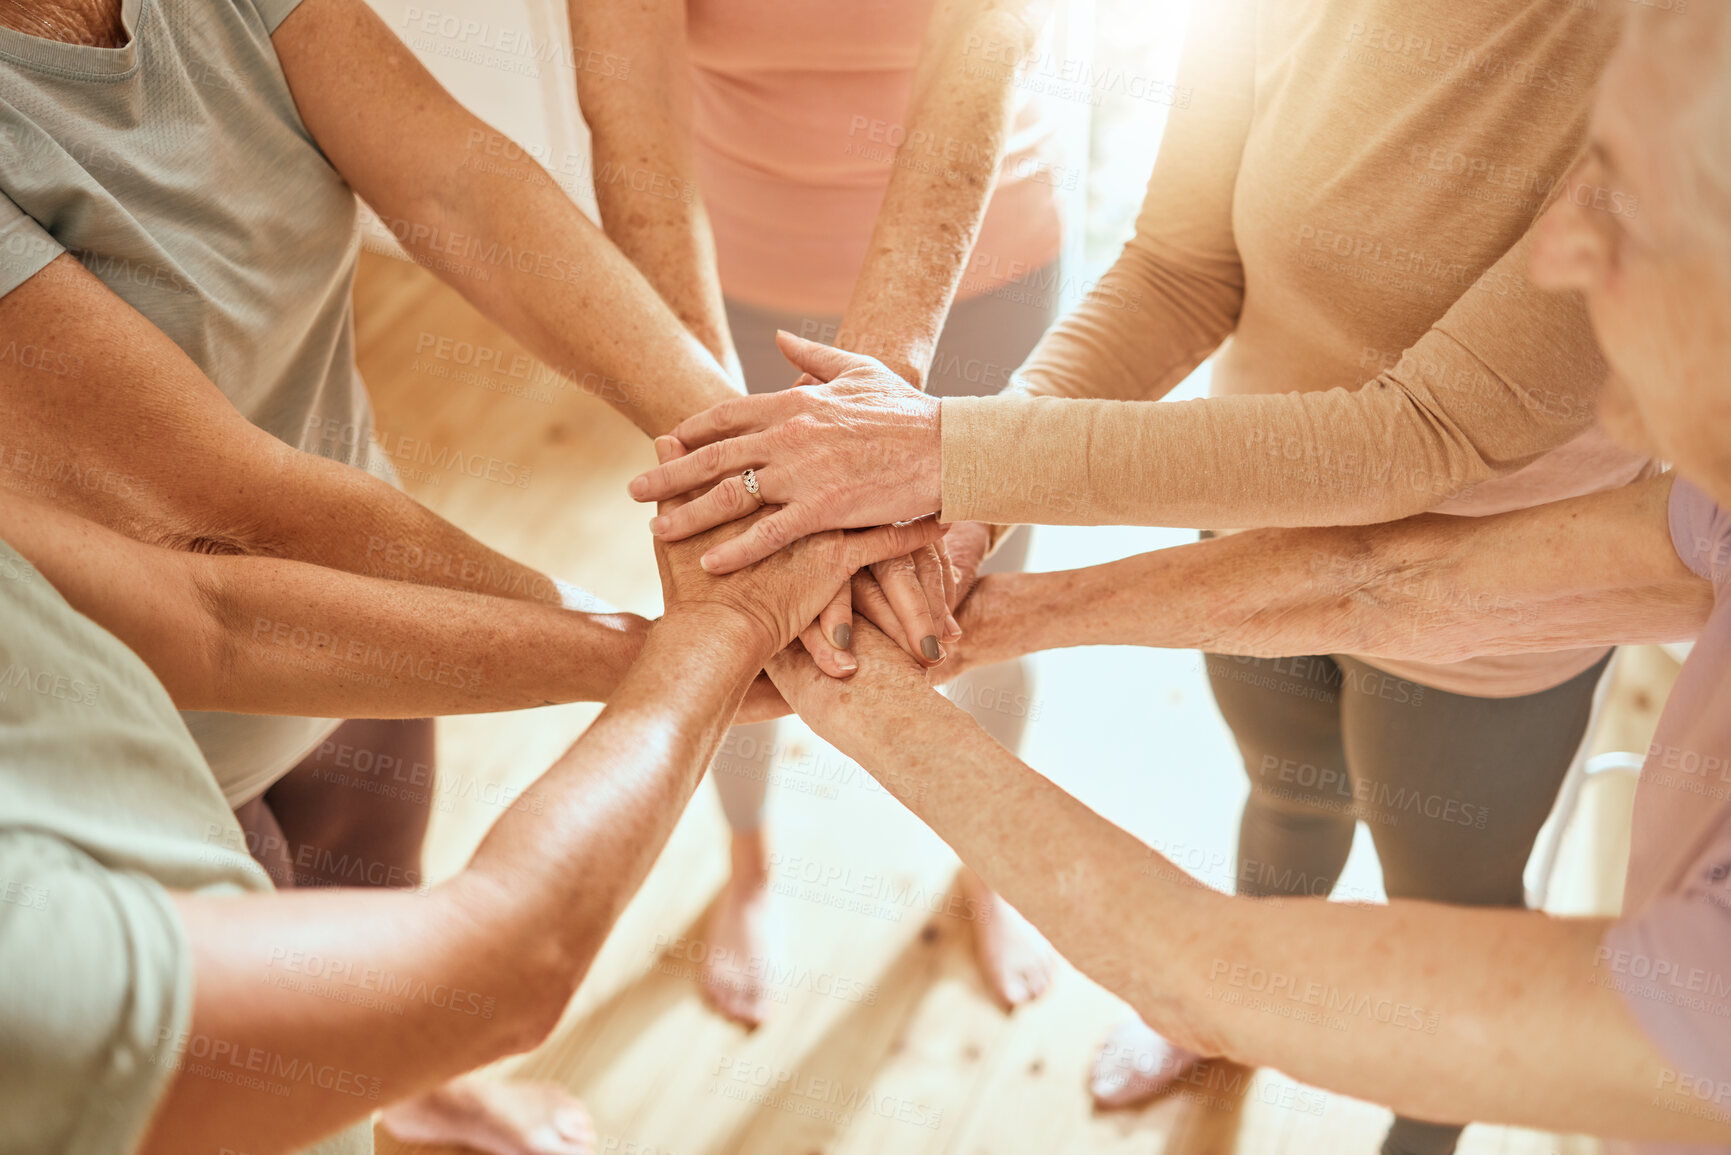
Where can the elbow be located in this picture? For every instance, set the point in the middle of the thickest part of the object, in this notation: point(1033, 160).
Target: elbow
point(539, 1003)
point(216, 642)
point(209, 533)
point(509, 966)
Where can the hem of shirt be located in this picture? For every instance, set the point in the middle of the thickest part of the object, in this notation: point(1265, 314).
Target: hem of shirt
point(1033, 246)
point(1470, 679)
point(13, 274)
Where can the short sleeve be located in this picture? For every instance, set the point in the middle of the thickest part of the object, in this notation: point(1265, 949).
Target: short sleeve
point(98, 990)
point(26, 247)
point(1701, 533)
point(274, 12)
point(1672, 964)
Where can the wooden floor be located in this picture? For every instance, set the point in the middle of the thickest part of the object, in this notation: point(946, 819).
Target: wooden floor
point(883, 1039)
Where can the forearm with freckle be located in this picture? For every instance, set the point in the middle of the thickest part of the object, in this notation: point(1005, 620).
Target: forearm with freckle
point(631, 350)
point(945, 170)
point(1507, 1021)
point(268, 636)
point(206, 479)
point(614, 798)
point(486, 217)
point(1596, 570)
point(639, 118)
point(503, 945)
point(298, 639)
point(355, 522)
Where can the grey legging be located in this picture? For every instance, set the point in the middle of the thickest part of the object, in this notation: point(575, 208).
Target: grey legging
point(983, 341)
point(1453, 788)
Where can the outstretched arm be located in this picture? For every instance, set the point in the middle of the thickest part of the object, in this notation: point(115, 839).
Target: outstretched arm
point(506, 942)
point(483, 966)
point(1406, 1004)
point(924, 231)
point(957, 123)
point(501, 233)
point(1477, 397)
point(266, 636)
point(1506, 375)
point(645, 173)
point(142, 442)
point(1596, 570)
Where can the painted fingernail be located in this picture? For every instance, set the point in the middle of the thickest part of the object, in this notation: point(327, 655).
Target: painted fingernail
point(658, 526)
point(843, 636)
point(930, 648)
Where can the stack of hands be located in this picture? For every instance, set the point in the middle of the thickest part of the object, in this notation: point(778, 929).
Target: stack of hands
point(883, 471)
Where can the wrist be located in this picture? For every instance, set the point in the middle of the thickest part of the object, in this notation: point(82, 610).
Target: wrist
point(990, 617)
point(728, 633)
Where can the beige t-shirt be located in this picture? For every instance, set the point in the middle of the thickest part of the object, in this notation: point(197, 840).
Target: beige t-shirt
point(1347, 197)
point(176, 169)
point(105, 806)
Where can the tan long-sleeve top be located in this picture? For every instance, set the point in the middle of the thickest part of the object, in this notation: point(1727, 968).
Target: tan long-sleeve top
point(1346, 192)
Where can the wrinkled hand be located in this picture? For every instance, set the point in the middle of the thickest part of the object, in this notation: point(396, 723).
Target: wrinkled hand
point(906, 597)
point(778, 597)
point(859, 449)
point(968, 543)
point(909, 597)
point(890, 603)
point(889, 686)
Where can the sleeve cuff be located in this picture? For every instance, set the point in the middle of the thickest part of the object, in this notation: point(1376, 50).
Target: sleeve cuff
point(1664, 964)
point(26, 249)
point(1011, 459)
point(274, 12)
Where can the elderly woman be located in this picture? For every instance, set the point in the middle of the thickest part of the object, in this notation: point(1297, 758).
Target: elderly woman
point(779, 121)
point(1612, 1027)
point(1347, 198)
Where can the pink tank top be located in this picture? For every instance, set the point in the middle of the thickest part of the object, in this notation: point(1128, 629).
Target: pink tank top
point(798, 112)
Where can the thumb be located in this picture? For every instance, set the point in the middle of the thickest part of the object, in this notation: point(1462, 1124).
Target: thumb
point(821, 362)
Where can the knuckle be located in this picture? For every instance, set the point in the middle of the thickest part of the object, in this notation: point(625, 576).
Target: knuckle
point(802, 425)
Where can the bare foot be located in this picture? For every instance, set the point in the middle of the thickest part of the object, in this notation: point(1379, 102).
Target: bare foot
point(1135, 1064)
point(497, 1118)
point(742, 937)
point(1016, 961)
